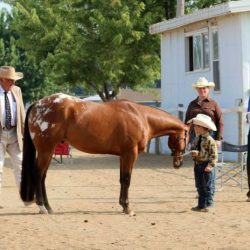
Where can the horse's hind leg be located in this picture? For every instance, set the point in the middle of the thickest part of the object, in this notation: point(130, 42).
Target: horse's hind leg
point(127, 161)
point(43, 161)
point(45, 198)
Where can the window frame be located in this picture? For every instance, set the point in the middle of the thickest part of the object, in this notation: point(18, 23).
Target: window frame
point(215, 60)
point(190, 63)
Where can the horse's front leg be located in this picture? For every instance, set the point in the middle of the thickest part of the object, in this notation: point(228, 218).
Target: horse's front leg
point(127, 161)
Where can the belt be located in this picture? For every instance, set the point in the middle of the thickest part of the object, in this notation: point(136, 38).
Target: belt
point(5, 129)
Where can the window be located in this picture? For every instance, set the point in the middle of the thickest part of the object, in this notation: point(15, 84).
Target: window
point(215, 54)
point(197, 50)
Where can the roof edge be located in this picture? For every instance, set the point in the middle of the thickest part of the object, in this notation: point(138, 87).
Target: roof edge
point(200, 15)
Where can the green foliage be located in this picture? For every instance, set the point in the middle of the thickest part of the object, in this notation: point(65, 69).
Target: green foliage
point(34, 82)
point(103, 45)
point(170, 8)
point(100, 45)
point(190, 6)
point(200, 4)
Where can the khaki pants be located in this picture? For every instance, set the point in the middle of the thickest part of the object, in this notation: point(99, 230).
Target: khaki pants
point(9, 144)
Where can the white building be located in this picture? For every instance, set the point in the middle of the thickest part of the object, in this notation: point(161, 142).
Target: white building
point(214, 43)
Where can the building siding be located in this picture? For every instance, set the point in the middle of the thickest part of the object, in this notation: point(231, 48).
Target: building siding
point(234, 54)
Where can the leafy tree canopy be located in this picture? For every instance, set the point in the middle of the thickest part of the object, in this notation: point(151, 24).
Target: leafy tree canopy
point(103, 45)
point(201, 4)
point(34, 82)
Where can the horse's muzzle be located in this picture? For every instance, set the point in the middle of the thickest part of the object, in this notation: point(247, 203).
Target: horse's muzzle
point(177, 161)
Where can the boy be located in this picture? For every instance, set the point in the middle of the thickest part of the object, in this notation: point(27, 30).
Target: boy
point(204, 153)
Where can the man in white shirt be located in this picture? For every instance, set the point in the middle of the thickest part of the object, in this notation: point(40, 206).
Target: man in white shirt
point(12, 115)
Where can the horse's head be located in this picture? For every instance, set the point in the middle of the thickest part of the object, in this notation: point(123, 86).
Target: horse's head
point(177, 142)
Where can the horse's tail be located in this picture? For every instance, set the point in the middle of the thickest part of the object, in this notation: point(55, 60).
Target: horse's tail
point(27, 188)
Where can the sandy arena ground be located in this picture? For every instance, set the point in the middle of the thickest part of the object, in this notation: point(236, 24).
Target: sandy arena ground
point(84, 195)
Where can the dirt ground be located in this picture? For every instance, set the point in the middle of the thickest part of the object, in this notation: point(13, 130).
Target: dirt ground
point(84, 195)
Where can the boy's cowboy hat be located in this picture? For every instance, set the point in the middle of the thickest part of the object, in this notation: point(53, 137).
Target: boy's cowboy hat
point(8, 72)
point(203, 82)
point(204, 121)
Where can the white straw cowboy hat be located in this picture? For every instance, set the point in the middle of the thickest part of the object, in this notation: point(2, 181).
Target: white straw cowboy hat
point(203, 82)
point(204, 121)
point(8, 72)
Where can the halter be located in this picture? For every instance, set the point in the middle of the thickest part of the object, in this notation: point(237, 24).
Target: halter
point(178, 139)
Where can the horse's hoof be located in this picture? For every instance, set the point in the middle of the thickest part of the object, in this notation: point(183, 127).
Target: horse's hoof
point(50, 211)
point(129, 212)
point(43, 210)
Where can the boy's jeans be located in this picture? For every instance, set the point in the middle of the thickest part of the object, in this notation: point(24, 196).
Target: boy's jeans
point(203, 184)
point(213, 172)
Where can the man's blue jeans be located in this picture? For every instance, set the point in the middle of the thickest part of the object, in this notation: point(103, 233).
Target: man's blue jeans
point(203, 184)
point(212, 186)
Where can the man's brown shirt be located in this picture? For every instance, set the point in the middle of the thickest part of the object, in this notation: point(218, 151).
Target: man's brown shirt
point(207, 107)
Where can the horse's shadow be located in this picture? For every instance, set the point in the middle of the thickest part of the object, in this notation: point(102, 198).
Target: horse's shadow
point(93, 212)
point(113, 212)
point(144, 161)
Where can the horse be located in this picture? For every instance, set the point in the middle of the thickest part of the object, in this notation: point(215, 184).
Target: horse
point(118, 127)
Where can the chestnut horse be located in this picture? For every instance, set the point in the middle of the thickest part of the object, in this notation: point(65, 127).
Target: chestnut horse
point(120, 128)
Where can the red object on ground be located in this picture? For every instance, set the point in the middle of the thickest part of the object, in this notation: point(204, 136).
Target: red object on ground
point(62, 149)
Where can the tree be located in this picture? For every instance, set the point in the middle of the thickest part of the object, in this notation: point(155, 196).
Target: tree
point(34, 84)
point(200, 4)
point(173, 7)
point(103, 45)
point(170, 8)
point(100, 45)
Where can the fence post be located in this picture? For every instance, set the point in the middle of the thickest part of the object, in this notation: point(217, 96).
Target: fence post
point(180, 112)
point(157, 139)
point(241, 127)
point(157, 145)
